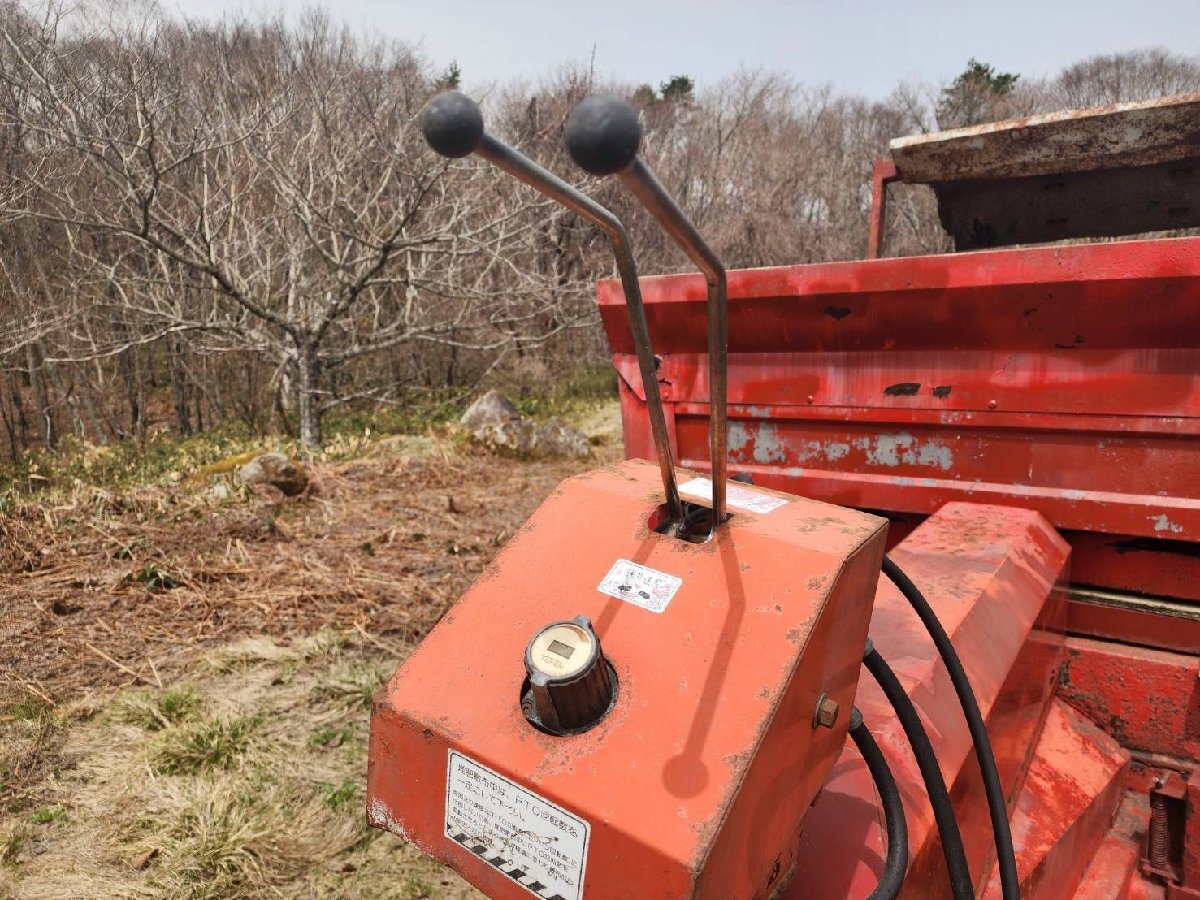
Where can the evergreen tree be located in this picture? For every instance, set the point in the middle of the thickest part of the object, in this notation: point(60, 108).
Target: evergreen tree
point(678, 88)
point(450, 79)
point(977, 95)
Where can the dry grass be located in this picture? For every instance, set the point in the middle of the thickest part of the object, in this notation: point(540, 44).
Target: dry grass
point(184, 699)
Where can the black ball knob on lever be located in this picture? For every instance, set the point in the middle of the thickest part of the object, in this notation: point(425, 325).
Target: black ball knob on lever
point(452, 124)
point(603, 135)
point(453, 127)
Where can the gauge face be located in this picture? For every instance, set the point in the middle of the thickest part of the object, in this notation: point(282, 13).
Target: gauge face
point(562, 650)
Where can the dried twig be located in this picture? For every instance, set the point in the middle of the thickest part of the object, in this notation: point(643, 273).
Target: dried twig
point(124, 668)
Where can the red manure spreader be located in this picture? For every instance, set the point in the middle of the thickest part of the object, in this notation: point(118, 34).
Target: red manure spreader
point(898, 591)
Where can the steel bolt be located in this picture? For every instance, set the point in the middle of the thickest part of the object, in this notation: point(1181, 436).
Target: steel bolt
point(826, 714)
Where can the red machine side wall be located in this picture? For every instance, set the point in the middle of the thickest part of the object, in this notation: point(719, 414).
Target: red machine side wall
point(1059, 379)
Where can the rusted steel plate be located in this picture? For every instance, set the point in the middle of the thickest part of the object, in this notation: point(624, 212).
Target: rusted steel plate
point(1060, 379)
point(1121, 135)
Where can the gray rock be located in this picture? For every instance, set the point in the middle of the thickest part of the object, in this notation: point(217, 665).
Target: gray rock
point(490, 409)
point(496, 424)
point(522, 437)
point(219, 492)
point(276, 470)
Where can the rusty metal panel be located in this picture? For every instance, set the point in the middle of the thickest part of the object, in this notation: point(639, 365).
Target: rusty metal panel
point(1061, 379)
point(1166, 129)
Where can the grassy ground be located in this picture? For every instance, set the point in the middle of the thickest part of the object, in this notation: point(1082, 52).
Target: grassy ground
point(185, 690)
point(241, 778)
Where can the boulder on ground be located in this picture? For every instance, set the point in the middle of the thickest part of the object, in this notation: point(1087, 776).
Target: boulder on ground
point(495, 423)
point(277, 470)
point(489, 409)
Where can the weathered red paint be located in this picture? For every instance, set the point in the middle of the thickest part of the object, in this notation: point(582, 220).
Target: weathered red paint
point(1075, 784)
point(1149, 622)
point(696, 783)
point(1122, 562)
point(1060, 379)
point(991, 574)
point(1148, 699)
point(1112, 874)
point(883, 174)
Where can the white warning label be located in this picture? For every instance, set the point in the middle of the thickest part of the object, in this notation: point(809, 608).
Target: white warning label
point(641, 586)
point(751, 501)
point(537, 844)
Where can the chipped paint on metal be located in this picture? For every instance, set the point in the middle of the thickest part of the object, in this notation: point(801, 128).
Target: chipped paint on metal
point(738, 436)
point(380, 816)
point(1093, 439)
point(893, 450)
point(759, 441)
point(769, 447)
point(1162, 523)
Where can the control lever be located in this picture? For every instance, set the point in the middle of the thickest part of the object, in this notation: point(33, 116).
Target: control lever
point(453, 127)
point(603, 136)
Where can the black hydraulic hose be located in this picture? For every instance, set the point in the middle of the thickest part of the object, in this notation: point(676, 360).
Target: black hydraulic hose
point(896, 862)
point(997, 808)
point(961, 886)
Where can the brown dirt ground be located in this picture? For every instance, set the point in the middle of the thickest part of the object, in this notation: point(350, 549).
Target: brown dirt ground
point(278, 615)
point(110, 590)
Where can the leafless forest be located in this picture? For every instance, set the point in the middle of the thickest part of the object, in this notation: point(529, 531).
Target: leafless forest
point(240, 221)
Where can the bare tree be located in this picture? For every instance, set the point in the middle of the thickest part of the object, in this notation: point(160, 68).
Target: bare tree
point(262, 189)
point(1122, 77)
point(240, 221)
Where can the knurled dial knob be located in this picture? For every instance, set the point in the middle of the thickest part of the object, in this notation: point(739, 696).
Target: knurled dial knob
point(569, 685)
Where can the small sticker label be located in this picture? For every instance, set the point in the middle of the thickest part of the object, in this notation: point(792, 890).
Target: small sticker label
point(536, 843)
point(751, 501)
point(647, 588)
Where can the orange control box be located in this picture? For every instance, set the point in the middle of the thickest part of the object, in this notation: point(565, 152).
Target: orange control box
point(696, 781)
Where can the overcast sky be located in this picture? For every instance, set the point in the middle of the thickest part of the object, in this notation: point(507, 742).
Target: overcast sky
point(860, 46)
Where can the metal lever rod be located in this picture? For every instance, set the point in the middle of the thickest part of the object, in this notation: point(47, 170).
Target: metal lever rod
point(603, 137)
point(453, 127)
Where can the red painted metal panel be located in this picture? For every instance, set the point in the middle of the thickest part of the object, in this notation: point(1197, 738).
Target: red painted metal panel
point(1066, 806)
point(1113, 872)
point(1061, 379)
point(1155, 623)
point(990, 573)
point(1168, 568)
point(696, 783)
point(1148, 699)
point(883, 174)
